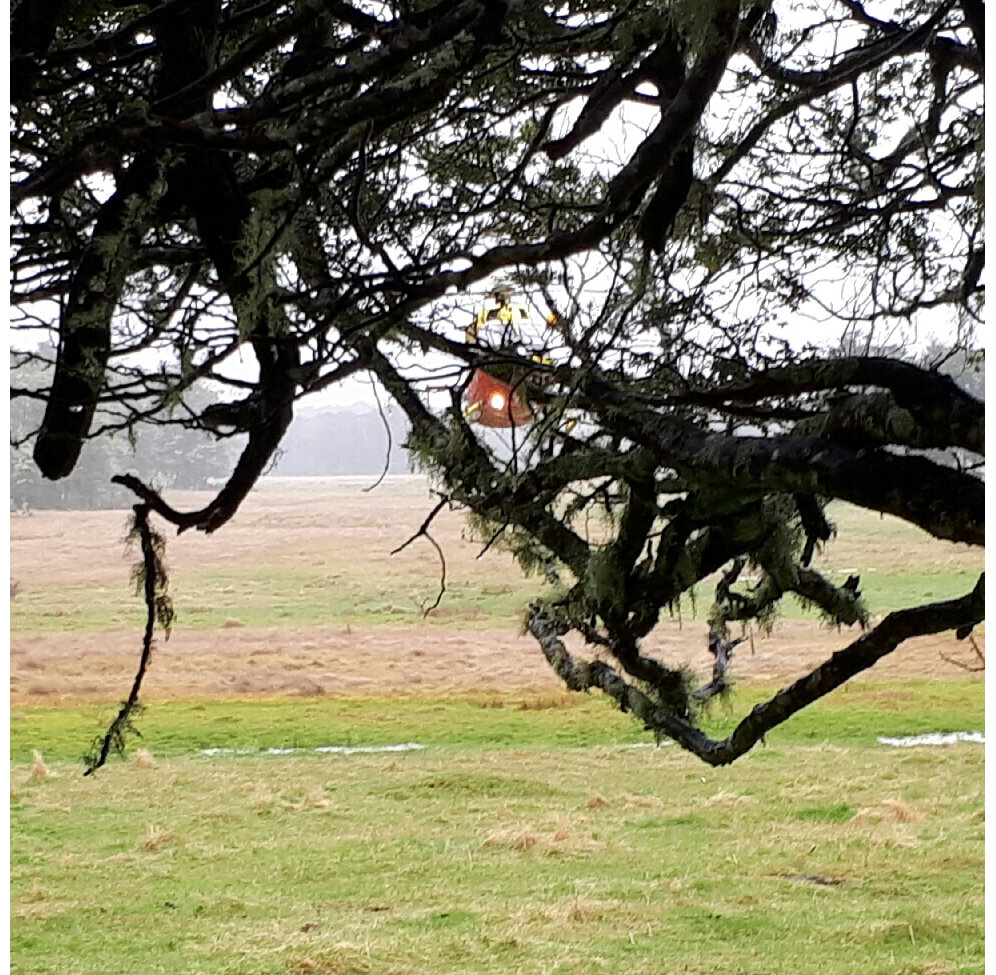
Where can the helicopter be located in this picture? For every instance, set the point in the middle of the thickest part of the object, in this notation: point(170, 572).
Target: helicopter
point(496, 396)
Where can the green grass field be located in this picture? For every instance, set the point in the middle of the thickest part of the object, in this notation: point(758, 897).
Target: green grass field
point(532, 833)
point(543, 844)
point(526, 838)
point(855, 716)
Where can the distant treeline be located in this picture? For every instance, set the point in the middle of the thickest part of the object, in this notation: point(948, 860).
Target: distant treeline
point(164, 454)
point(324, 442)
point(351, 440)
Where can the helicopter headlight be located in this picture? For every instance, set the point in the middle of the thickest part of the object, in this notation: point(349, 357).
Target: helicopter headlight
point(497, 400)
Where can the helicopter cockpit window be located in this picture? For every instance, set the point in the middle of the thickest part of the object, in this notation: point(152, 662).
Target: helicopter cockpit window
point(499, 329)
point(503, 324)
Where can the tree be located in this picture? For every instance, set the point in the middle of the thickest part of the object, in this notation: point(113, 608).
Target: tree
point(697, 195)
point(163, 451)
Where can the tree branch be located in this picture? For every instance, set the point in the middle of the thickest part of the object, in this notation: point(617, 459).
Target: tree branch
point(150, 576)
point(956, 614)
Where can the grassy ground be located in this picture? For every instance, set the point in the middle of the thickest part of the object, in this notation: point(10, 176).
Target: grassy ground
point(336, 584)
point(857, 715)
point(257, 597)
point(527, 836)
point(533, 852)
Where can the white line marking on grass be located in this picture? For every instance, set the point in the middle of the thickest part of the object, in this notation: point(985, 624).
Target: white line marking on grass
point(408, 746)
point(935, 738)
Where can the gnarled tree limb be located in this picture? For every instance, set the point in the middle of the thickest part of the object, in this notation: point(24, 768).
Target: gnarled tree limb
point(858, 656)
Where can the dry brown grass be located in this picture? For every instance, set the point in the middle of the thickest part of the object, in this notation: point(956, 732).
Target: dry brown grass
point(286, 527)
point(560, 838)
point(156, 837)
point(398, 876)
point(143, 759)
point(39, 770)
